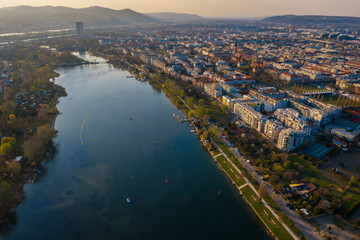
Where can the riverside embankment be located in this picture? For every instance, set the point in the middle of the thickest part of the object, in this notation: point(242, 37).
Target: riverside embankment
point(131, 145)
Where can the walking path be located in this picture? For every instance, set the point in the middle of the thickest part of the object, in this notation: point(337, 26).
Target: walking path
point(305, 227)
point(242, 186)
point(253, 188)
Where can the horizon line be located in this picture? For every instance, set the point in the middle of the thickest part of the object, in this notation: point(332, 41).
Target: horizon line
point(209, 17)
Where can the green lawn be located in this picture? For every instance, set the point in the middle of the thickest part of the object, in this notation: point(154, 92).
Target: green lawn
point(215, 152)
point(314, 175)
point(230, 170)
point(284, 217)
point(236, 162)
point(275, 226)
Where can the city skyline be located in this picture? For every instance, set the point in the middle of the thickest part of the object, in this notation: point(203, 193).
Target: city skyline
point(212, 8)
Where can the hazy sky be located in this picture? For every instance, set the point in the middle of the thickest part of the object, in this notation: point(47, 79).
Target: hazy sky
point(214, 8)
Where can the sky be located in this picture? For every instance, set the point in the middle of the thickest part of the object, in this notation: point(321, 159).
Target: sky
point(213, 8)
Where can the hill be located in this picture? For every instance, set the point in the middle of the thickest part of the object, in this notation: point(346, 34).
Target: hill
point(174, 17)
point(311, 19)
point(26, 18)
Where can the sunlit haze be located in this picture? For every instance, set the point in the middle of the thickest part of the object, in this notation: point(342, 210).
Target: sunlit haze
point(213, 8)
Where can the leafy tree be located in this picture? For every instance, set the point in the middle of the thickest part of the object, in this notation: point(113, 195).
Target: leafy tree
point(190, 101)
point(12, 120)
point(352, 180)
point(13, 168)
point(200, 111)
point(182, 93)
point(7, 146)
point(288, 164)
point(278, 168)
point(224, 108)
point(5, 195)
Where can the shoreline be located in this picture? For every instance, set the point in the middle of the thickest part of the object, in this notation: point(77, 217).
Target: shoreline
point(270, 231)
point(28, 174)
point(220, 166)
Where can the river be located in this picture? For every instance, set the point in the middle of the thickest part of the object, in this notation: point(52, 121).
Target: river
point(131, 145)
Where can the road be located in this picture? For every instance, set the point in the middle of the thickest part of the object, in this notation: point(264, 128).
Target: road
point(256, 192)
point(306, 228)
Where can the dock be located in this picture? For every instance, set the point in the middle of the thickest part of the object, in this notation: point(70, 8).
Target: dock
point(179, 119)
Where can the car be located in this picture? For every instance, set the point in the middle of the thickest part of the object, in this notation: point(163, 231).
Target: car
point(274, 191)
point(263, 178)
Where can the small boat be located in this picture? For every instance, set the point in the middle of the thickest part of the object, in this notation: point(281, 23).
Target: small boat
point(167, 181)
point(128, 200)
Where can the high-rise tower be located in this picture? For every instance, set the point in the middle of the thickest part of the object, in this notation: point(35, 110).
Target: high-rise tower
point(80, 29)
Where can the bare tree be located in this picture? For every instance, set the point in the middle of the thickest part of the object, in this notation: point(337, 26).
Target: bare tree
point(262, 191)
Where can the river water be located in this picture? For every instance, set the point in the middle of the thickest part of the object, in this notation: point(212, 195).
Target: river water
point(131, 145)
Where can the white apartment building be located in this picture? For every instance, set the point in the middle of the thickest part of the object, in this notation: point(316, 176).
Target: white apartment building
point(324, 114)
point(272, 129)
point(250, 116)
point(290, 139)
point(209, 89)
point(290, 118)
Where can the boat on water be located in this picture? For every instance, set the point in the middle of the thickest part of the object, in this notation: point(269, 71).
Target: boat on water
point(167, 181)
point(128, 200)
point(129, 76)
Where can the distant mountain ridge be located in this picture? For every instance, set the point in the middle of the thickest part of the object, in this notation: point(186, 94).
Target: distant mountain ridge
point(21, 18)
point(174, 17)
point(311, 19)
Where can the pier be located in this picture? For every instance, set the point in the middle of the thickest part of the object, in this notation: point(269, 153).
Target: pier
point(179, 119)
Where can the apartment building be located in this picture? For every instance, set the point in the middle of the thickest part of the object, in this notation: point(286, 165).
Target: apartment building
point(290, 139)
point(250, 116)
point(290, 118)
point(272, 129)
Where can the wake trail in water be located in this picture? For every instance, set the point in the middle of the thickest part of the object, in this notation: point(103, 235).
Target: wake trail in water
point(82, 126)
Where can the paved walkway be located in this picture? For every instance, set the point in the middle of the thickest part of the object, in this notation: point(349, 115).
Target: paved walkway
point(305, 227)
point(242, 186)
point(253, 188)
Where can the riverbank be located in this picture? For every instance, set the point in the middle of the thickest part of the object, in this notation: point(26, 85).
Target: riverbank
point(30, 173)
point(276, 227)
point(28, 114)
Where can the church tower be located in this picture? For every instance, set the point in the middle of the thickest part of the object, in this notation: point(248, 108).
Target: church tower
point(235, 46)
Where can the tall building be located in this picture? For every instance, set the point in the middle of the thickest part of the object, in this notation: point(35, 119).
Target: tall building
point(80, 29)
point(290, 139)
point(250, 116)
point(272, 129)
point(290, 118)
